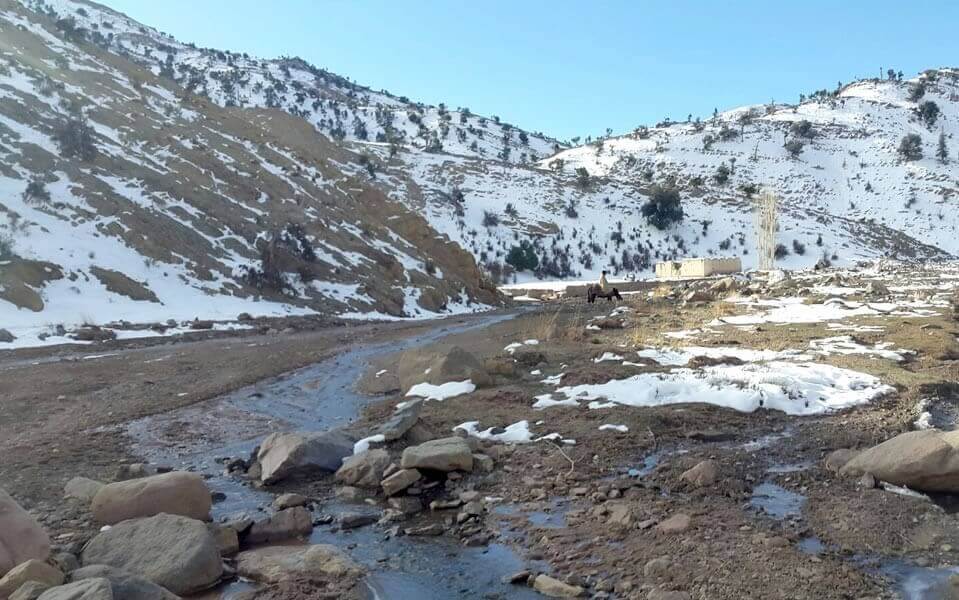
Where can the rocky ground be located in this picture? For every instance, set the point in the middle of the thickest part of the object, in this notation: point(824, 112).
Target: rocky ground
point(486, 439)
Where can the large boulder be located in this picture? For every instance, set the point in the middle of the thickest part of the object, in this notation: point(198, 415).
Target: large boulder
point(31, 590)
point(88, 589)
point(124, 585)
point(921, 460)
point(275, 564)
point(445, 454)
point(283, 525)
point(703, 474)
point(175, 493)
point(399, 481)
point(283, 455)
point(456, 364)
point(364, 469)
point(21, 537)
point(31, 570)
point(175, 552)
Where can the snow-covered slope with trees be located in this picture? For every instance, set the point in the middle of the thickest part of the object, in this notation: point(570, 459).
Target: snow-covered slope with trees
point(124, 199)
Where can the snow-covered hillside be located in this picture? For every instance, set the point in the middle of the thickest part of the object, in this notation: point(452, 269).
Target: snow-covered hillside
point(337, 107)
point(123, 199)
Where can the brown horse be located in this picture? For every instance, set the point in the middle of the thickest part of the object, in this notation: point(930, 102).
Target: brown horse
point(594, 291)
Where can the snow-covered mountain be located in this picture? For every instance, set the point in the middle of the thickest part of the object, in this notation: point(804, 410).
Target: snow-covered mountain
point(124, 198)
point(847, 192)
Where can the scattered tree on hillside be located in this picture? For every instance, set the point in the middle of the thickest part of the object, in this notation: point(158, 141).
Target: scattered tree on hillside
point(794, 147)
point(942, 152)
point(490, 219)
point(803, 129)
point(522, 257)
point(910, 147)
point(36, 192)
point(721, 176)
point(582, 177)
point(916, 92)
point(663, 208)
point(928, 112)
point(74, 136)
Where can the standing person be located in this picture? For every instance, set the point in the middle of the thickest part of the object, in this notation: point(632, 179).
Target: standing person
point(603, 284)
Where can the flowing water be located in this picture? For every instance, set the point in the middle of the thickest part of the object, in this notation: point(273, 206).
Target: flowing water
point(318, 397)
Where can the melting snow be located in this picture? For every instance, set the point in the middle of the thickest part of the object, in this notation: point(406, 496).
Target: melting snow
point(450, 389)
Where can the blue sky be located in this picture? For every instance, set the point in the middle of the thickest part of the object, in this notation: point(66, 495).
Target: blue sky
point(571, 68)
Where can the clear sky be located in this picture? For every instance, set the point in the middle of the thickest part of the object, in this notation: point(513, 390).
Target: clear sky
point(569, 67)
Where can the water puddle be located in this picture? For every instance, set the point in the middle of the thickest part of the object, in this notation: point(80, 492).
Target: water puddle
point(811, 545)
point(776, 501)
point(318, 397)
point(552, 516)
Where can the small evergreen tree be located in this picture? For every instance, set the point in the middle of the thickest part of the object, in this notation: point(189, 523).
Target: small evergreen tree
point(721, 176)
point(74, 136)
point(916, 92)
point(663, 208)
point(928, 112)
point(794, 147)
point(942, 152)
point(582, 177)
point(522, 257)
point(910, 147)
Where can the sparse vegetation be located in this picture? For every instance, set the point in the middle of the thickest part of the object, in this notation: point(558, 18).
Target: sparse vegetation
point(721, 176)
point(794, 147)
point(910, 147)
point(928, 112)
point(582, 178)
point(523, 257)
point(74, 137)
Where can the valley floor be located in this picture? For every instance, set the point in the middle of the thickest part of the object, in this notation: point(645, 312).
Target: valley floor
point(653, 492)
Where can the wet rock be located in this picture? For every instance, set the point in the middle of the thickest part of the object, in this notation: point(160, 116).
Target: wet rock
point(284, 525)
point(677, 523)
point(285, 501)
point(657, 568)
point(21, 537)
point(408, 505)
point(519, 578)
point(445, 454)
point(176, 493)
point(134, 471)
point(427, 530)
point(921, 460)
point(87, 589)
point(227, 539)
point(348, 493)
point(175, 552)
point(364, 469)
point(554, 588)
point(276, 564)
point(31, 590)
point(124, 585)
point(283, 455)
point(399, 481)
point(31, 570)
point(81, 488)
point(352, 520)
point(404, 417)
point(703, 474)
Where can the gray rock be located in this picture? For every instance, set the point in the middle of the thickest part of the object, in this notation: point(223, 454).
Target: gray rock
point(31, 590)
point(21, 537)
point(399, 481)
point(352, 520)
point(283, 455)
point(364, 469)
point(6, 337)
point(408, 505)
point(445, 454)
point(286, 524)
point(703, 474)
point(175, 552)
point(124, 585)
point(65, 561)
point(176, 493)
point(554, 588)
point(31, 570)
point(921, 460)
point(658, 594)
point(134, 471)
point(402, 420)
point(81, 488)
point(227, 539)
point(88, 589)
point(278, 563)
point(284, 501)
